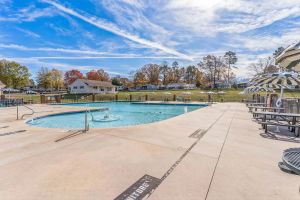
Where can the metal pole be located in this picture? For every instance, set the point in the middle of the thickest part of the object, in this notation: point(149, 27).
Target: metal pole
point(86, 125)
point(85, 121)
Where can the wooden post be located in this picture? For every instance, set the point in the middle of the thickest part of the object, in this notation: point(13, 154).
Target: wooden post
point(57, 98)
point(93, 97)
point(17, 112)
point(117, 97)
point(130, 97)
point(43, 99)
point(146, 97)
point(174, 97)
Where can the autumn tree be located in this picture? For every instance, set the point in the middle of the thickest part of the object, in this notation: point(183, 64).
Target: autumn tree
point(56, 79)
point(43, 78)
point(49, 78)
point(139, 78)
point(103, 75)
point(13, 74)
point(151, 72)
point(93, 75)
point(72, 75)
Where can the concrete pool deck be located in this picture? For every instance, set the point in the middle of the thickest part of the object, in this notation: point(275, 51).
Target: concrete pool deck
point(229, 160)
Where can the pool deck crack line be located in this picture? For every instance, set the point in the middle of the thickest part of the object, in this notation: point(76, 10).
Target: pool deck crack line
point(220, 154)
point(143, 142)
point(178, 161)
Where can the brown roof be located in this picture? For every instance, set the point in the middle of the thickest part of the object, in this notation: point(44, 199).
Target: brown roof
point(97, 83)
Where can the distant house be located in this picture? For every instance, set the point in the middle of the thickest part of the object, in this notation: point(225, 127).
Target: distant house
point(242, 83)
point(1, 87)
point(220, 84)
point(83, 86)
point(148, 87)
point(180, 86)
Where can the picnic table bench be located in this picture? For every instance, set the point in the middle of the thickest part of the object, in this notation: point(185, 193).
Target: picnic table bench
point(275, 118)
point(256, 104)
point(265, 108)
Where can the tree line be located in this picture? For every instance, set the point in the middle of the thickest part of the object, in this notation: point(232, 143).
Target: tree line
point(210, 71)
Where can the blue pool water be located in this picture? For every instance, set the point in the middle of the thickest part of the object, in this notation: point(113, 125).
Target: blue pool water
point(119, 114)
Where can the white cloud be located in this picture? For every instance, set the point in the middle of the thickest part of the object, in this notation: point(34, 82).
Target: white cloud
point(28, 14)
point(102, 24)
point(268, 42)
point(208, 18)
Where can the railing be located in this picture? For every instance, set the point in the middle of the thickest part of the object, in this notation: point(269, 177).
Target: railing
point(27, 114)
point(86, 122)
point(11, 102)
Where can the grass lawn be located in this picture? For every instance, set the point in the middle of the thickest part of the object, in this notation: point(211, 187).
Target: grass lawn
point(231, 95)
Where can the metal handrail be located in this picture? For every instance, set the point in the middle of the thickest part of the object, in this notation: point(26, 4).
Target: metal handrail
point(28, 113)
point(86, 121)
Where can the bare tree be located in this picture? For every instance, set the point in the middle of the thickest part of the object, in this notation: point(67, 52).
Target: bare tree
point(213, 67)
point(165, 71)
point(230, 59)
point(177, 73)
point(191, 74)
point(278, 51)
point(263, 66)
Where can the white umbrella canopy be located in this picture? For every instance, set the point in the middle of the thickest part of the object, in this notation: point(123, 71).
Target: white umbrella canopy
point(279, 80)
point(255, 89)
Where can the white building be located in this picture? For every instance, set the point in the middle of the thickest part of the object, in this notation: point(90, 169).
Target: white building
point(1, 87)
point(180, 86)
point(148, 87)
point(83, 86)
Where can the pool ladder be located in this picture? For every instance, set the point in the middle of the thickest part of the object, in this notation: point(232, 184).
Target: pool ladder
point(27, 114)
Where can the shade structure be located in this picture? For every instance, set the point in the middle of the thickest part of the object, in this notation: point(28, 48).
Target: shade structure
point(290, 58)
point(290, 80)
point(255, 89)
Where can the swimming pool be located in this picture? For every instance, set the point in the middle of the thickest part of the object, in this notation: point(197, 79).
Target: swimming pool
point(119, 114)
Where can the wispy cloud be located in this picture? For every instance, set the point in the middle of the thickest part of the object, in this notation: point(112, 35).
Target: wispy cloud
point(60, 65)
point(102, 24)
point(28, 14)
point(103, 57)
point(73, 51)
point(29, 33)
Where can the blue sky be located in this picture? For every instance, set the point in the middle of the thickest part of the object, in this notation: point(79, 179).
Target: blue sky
point(123, 35)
